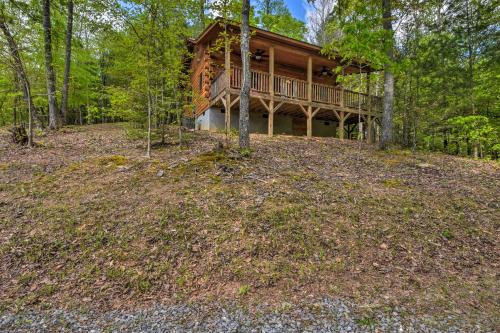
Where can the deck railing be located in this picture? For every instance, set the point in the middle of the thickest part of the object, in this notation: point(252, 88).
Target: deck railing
point(218, 85)
point(290, 88)
point(297, 89)
point(259, 80)
point(323, 93)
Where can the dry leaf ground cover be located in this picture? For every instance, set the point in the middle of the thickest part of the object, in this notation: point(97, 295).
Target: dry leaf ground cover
point(86, 220)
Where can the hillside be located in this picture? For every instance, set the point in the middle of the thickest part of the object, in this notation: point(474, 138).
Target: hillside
point(87, 221)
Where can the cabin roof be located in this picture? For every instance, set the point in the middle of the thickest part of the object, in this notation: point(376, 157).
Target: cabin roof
point(212, 32)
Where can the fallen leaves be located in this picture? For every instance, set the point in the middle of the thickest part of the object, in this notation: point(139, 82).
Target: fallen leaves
point(295, 218)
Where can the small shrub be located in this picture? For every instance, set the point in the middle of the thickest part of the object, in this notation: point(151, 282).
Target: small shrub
point(47, 290)
point(245, 152)
point(243, 290)
point(447, 234)
point(113, 160)
point(143, 285)
point(366, 321)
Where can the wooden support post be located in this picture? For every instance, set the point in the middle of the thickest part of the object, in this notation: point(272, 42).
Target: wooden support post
point(342, 91)
point(341, 125)
point(270, 119)
point(309, 97)
point(309, 121)
point(271, 71)
point(227, 113)
point(227, 68)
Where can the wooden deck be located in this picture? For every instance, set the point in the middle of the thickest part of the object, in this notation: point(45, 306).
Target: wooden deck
point(277, 91)
point(291, 90)
point(289, 77)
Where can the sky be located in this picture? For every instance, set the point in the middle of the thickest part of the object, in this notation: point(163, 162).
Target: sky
point(297, 8)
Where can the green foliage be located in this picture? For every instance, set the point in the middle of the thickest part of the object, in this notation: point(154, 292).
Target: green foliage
point(476, 129)
point(357, 33)
point(243, 290)
point(447, 71)
point(273, 15)
point(245, 152)
point(121, 103)
point(94, 114)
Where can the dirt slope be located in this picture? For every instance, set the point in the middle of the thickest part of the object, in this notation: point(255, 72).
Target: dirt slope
point(86, 220)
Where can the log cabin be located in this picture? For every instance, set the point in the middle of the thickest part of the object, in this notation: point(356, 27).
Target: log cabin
point(294, 88)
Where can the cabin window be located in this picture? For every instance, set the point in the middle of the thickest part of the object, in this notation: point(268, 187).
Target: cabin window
point(222, 110)
point(327, 123)
point(200, 84)
point(265, 116)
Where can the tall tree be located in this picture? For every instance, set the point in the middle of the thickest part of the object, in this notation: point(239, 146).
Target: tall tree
point(201, 15)
point(386, 137)
point(318, 15)
point(245, 88)
point(18, 66)
point(67, 63)
point(49, 67)
point(273, 15)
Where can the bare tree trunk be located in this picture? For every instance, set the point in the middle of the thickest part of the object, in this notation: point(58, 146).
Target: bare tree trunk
point(202, 14)
point(360, 126)
point(245, 87)
point(30, 123)
point(387, 134)
point(162, 118)
point(148, 151)
point(67, 64)
point(49, 69)
point(19, 68)
point(406, 112)
point(14, 110)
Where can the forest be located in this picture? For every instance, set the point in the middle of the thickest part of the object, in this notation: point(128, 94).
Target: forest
point(84, 62)
point(118, 215)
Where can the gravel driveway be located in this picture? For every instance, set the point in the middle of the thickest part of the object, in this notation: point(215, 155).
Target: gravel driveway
point(326, 315)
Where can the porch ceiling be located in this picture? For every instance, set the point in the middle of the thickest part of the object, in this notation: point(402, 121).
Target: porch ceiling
point(287, 50)
point(292, 110)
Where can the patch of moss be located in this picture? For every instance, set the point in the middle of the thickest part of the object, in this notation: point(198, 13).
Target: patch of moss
point(113, 160)
point(394, 183)
point(47, 290)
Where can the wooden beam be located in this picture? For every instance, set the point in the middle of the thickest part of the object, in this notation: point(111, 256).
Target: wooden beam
point(309, 121)
point(271, 71)
point(303, 109)
point(341, 125)
point(342, 102)
point(309, 97)
point(227, 63)
point(235, 101)
point(228, 112)
point(270, 108)
point(263, 103)
point(315, 111)
point(309, 79)
point(336, 114)
point(270, 119)
point(278, 106)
